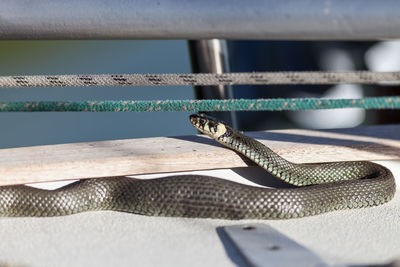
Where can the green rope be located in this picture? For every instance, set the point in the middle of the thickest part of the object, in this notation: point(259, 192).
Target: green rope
point(204, 105)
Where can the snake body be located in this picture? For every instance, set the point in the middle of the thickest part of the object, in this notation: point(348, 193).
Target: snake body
point(321, 188)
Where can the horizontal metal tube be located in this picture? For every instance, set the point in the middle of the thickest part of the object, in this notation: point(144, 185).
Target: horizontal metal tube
point(188, 19)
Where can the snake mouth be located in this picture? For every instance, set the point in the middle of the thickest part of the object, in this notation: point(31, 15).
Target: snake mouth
point(208, 125)
point(201, 122)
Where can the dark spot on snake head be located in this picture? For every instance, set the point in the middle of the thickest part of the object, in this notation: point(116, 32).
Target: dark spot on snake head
point(213, 124)
point(228, 132)
point(200, 121)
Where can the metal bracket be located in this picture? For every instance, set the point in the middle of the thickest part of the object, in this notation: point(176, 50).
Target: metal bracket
point(261, 245)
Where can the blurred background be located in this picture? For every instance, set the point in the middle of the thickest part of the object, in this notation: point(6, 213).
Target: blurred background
point(173, 56)
point(91, 57)
point(314, 55)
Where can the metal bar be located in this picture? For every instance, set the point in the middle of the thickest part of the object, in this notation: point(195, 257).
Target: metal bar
point(262, 246)
point(211, 56)
point(207, 19)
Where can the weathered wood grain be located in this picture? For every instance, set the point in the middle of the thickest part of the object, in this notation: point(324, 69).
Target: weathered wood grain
point(174, 154)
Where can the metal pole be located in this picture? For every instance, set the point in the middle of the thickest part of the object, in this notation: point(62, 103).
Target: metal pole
point(211, 56)
point(206, 19)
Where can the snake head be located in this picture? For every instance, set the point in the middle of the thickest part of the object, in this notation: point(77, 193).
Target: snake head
point(210, 126)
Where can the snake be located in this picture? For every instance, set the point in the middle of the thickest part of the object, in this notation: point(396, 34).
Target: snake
point(316, 188)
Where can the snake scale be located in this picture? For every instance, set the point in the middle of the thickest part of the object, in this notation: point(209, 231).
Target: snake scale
point(321, 188)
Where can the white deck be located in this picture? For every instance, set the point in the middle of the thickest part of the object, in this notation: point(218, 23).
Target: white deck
point(120, 239)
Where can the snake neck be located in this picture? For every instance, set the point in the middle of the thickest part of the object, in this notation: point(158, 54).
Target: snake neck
point(292, 173)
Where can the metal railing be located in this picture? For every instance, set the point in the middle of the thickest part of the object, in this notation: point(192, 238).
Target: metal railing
point(188, 19)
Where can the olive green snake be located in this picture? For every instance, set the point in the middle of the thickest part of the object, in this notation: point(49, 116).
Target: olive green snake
point(321, 187)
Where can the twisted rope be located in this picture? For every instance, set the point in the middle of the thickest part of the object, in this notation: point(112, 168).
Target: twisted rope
point(314, 77)
point(203, 105)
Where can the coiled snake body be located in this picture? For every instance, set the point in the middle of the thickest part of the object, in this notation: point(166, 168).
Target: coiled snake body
point(322, 188)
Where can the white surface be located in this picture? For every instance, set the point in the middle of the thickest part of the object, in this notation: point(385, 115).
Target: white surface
point(384, 56)
point(120, 239)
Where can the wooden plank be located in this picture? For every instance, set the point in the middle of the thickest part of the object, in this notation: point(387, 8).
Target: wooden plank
point(174, 154)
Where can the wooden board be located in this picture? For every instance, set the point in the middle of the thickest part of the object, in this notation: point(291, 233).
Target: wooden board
point(174, 154)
